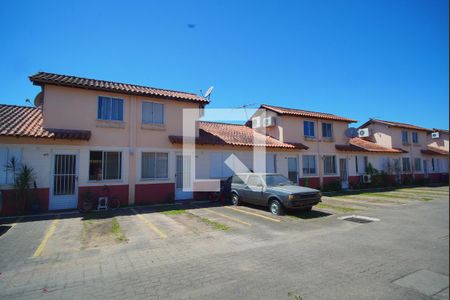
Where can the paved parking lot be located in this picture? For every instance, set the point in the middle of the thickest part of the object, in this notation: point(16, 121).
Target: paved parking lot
point(207, 251)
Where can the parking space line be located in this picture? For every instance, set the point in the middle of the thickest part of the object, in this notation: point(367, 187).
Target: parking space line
point(225, 216)
point(17, 221)
point(47, 236)
point(150, 224)
point(253, 214)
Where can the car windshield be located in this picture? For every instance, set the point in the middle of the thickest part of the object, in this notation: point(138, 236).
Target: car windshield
point(276, 179)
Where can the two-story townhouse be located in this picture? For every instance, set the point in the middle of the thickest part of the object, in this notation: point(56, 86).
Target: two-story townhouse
point(330, 155)
point(221, 149)
point(418, 158)
point(437, 152)
point(86, 133)
point(438, 139)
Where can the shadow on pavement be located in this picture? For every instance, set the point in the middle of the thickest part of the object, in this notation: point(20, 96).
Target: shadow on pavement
point(313, 214)
point(4, 229)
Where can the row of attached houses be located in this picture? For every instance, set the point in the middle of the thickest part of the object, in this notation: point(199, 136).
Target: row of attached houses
point(84, 134)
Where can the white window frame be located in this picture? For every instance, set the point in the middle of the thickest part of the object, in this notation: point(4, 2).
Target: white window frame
point(403, 165)
point(335, 166)
point(152, 121)
point(9, 152)
point(155, 165)
point(331, 130)
point(120, 173)
point(303, 165)
point(110, 113)
point(415, 133)
point(405, 137)
point(313, 126)
point(361, 164)
point(417, 159)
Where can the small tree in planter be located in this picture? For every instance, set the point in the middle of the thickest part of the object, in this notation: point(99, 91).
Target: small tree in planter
point(23, 178)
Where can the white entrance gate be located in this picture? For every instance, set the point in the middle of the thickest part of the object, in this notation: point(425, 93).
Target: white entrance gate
point(183, 177)
point(64, 185)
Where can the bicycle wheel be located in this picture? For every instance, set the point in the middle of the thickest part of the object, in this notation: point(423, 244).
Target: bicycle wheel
point(85, 206)
point(113, 203)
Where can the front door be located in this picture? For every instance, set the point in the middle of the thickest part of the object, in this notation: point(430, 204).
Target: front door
point(343, 172)
point(64, 194)
point(182, 178)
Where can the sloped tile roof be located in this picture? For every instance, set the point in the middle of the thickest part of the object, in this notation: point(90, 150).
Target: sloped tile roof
point(361, 145)
point(42, 78)
point(441, 130)
point(23, 121)
point(434, 151)
point(212, 133)
point(395, 124)
point(305, 113)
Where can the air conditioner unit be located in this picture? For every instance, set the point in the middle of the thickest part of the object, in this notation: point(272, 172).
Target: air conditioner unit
point(269, 122)
point(366, 178)
point(435, 135)
point(256, 122)
point(363, 132)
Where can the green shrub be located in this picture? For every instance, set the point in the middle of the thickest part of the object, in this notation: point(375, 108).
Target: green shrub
point(332, 186)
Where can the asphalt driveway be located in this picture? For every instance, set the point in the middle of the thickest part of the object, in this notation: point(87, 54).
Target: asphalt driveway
point(224, 252)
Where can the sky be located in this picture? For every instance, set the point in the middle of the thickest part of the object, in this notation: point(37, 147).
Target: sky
point(358, 59)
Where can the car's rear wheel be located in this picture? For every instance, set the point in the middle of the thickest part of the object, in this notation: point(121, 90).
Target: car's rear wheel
point(276, 208)
point(235, 199)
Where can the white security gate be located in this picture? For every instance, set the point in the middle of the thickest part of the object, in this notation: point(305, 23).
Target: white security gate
point(64, 193)
point(183, 177)
point(293, 169)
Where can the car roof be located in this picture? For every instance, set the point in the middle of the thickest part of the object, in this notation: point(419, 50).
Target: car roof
point(245, 174)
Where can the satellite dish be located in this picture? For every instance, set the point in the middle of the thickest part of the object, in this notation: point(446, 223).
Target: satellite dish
point(351, 132)
point(38, 99)
point(208, 92)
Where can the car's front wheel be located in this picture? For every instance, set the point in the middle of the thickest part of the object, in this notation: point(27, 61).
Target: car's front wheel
point(235, 199)
point(276, 208)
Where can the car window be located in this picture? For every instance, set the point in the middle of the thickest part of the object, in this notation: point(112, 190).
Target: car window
point(254, 180)
point(273, 180)
point(239, 179)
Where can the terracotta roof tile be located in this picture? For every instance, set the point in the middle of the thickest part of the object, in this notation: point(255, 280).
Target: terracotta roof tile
point(395, 124)
point(434, 151)
point(23, 121)
point(42, 78)
point(441, 130)
point(305, 113)
point(212, 133)
point(361, 145)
